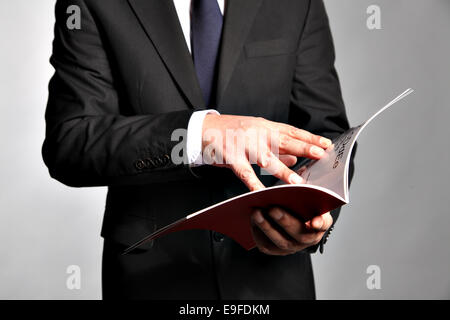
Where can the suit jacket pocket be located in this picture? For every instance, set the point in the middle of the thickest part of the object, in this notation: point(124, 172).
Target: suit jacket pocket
point(274, 47)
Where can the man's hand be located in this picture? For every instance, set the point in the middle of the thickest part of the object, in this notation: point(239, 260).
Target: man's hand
point(238, 141)
point(280, 233)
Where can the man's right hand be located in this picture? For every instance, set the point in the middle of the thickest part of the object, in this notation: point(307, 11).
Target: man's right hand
point(238, 141)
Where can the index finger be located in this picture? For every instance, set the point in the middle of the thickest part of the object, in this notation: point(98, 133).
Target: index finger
point(302, 135)
point(244, 171)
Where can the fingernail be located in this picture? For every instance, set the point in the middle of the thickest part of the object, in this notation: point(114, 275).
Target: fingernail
point(316, 151)
point(319, 224)
point(325, 142)
point(277, 214)
point(258, 217)
point(295, 179)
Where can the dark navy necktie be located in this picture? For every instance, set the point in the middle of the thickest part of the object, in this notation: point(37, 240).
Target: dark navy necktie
point(206, 31)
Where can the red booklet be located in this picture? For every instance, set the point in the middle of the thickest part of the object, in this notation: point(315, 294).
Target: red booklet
point(325, 188)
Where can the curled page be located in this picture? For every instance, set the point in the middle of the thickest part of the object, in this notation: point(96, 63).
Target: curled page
point(332, 170)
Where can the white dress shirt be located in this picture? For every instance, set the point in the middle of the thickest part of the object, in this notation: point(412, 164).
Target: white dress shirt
point(195, 125)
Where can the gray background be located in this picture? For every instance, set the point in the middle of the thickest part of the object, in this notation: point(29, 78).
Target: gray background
point(398, 217)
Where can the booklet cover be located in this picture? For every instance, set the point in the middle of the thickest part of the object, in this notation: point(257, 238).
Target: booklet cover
point(325, 188)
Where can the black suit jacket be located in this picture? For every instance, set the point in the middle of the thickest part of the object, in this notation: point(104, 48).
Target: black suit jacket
point(125, 81)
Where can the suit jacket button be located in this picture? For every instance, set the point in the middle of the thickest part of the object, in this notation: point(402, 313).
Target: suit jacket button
point(139, 164)
point(166, 159)
point(149, 163)
point(156, 161)
point(218, 237)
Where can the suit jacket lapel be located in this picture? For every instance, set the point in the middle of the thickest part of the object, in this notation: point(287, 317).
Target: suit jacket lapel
point(160, 21)
point(239, 18)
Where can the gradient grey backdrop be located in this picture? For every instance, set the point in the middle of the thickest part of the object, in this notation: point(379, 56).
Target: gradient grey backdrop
point(398, 218)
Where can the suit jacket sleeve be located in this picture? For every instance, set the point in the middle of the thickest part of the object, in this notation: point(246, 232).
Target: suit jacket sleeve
point(89, 141)
point(316, 100)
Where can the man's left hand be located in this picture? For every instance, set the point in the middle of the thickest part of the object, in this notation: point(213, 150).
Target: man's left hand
point(281, 233)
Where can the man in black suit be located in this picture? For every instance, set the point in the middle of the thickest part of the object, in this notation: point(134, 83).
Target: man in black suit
point(133, 74)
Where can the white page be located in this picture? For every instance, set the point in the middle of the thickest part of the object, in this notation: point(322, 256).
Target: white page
point(331, 171)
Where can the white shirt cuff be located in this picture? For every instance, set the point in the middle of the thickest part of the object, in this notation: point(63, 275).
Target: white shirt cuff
point(194, 136)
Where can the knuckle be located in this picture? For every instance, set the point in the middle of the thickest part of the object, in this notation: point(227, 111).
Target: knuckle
point(294, 132)
point(309, 239)
point(265, 227)
point(290, 225)
point(306, 148)
point(307, 136)
point(284, 141)
point(272, 211)
point(299, 133)
point(243, 173)
point(302, 135)
point(283, 245)
point(283, 218)
point(285, 222)
point(266, 159)
point(276, 213)
point(263, 249)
